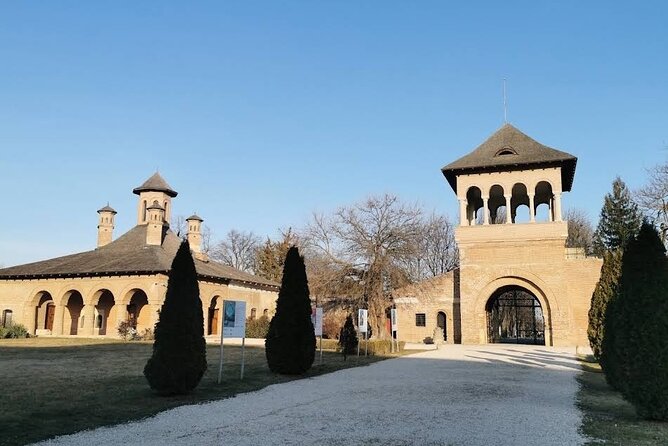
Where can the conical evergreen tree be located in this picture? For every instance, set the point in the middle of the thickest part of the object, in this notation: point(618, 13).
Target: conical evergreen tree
point(620, 219)
point(290, 343)
point(606, 288)
point(639, 319)
point(179, 351)
point(348, 338)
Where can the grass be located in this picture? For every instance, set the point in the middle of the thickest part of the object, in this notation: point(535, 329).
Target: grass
point(609, 418)
point(60, 386)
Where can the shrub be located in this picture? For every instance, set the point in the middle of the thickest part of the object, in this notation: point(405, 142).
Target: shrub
point(3, 332)
point(348, 338)
point(179, 351)
point(376, 346)
point(257, 328)
point(606, 288)
point(332, 322)
point(14, 331)
point(290, 342)
point(635, 346)
point(146, 335)
point(126, 331)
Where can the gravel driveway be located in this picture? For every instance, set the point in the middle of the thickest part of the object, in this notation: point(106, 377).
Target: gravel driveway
point(459, 395)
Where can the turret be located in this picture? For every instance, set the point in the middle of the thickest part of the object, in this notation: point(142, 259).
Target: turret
point(105, 225)
point(155, 222)
point(154, 189)
point(195, 236)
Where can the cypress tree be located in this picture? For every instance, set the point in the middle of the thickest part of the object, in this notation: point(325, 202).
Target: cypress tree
point(620, 219)
point(640, 324)
point(290, 343)
point(606, 288)
point(348, 338)
point(179, 351)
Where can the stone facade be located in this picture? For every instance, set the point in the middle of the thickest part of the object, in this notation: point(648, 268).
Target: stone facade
point(499, 253)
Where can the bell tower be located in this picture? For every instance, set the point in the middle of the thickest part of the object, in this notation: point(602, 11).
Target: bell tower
point(153, 190)
point(105, 226)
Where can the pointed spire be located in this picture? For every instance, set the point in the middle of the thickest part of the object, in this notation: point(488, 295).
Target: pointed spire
point(155, 183)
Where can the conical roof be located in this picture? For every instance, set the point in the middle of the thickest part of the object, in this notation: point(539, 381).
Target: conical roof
point(107, 208)
point(155, 183)
point(510, 149)
point(194, 217)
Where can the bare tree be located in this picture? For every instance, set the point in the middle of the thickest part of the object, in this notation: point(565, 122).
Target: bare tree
point(437, 251)
point(179, 226)
point(580, 230)
point(653, 197)
point(238, 250)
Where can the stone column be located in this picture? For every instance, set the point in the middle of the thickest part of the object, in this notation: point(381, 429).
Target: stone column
point(485, 210)
point(58, 320)
point(509, 210)
point(532, 209)
point(463, 217)
point(88, 313)
point(557, 206)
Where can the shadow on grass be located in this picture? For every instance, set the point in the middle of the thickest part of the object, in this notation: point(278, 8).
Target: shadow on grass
point(63, 386)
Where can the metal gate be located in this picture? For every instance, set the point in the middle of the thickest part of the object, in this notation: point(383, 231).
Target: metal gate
point(514, 316)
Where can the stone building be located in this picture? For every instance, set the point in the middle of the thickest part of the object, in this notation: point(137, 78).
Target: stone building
point(517, 280)
point(91, 293)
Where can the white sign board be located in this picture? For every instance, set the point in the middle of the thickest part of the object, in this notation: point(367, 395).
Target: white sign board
point(362, 321)
point(234, 319)
point(393, 318)
point(316, 319)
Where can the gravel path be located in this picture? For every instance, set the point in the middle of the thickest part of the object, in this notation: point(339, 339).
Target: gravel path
point(459, 395)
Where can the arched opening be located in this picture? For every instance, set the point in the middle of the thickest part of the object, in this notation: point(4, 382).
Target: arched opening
point(103, 313)
point(442, 323)
point(73, 306)
point(473, 204)
point(213, 317)
point(143, 211)
point(543, 201)
point(515, 316)
point(7, 318)
point(520, 204)
point(253, 313)
point(138, 313)
point(45, 312)
point(497, 205)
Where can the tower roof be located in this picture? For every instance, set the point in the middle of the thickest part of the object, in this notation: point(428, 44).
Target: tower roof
point(510, 149)
point(156, 205)
point(155, 183)
point(107, 208)
point(194, 217)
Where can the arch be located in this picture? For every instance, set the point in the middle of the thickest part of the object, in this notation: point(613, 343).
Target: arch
point(496, 205)
point(7, 317)
point(73, 303)
point(520, 199)
point(253, 313)
point(543, 195)
point(105, 311)
point(265, 312)
point(514, 315)
point(45, 311)
point(138, 310)
point(473, 203)
point(213, 319)
point(442, 323)
point(531, 283)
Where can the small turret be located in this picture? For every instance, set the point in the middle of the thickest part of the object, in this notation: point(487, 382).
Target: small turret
point(195, 236)
point(155, 221)
point(105, 225)
point(154, 189)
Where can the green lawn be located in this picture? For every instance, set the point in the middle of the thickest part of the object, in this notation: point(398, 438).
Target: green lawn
point(59, 386)
point(611, 419)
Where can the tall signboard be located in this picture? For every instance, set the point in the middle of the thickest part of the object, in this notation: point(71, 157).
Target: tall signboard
point(394, 328)
point(316, 318)
point(234, 326)
point(363, 328)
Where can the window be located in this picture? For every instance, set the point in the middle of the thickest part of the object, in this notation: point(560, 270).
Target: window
point(265, 312)
point(505, 152)
point(98, 321)
point(420, 320)
point(253, 313)
point(7, 318)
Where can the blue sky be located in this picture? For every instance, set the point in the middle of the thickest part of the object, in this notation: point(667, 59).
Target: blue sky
point(259, 113)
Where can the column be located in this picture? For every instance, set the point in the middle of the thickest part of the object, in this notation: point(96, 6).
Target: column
point(58, 320)
point(121, 313)
point(509, 210)
point(532, 209)
point(88, 313)
point(485, 210)
point(557, 206)
point(463, 218)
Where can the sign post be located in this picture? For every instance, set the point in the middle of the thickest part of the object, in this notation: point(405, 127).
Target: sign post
point(316, 319)
point(362, 327)
point(234, 326)
point(394, 329)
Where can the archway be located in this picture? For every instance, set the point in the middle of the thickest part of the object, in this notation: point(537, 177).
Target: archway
point(73, 306)
point(514, 315)
point(138, 312)
point(442, 323)
point(103, 313)
point(213, 317)
point(45, 312)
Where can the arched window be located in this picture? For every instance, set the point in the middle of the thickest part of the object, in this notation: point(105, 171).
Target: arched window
point(7, 318)
point(143, 214)
point(265, 312)
point(98, 321)
point(497, 205)
point(473, 203)
point(253, 313)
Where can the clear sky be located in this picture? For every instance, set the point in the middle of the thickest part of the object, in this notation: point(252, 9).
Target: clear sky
point(259, 113)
